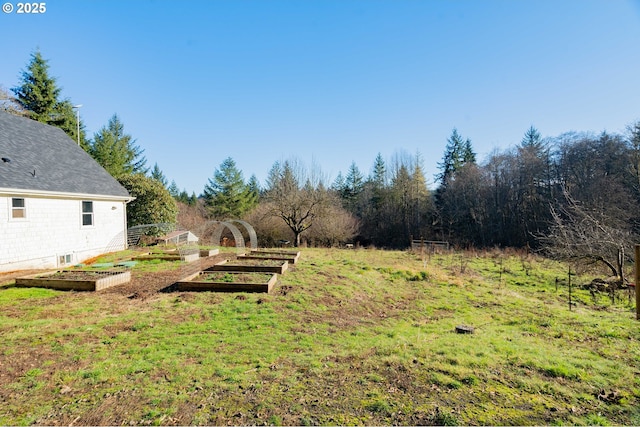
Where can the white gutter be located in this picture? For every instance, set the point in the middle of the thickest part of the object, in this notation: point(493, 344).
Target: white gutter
point(60, 195)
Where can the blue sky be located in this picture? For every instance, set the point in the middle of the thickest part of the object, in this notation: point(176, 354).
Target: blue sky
point(332, 82)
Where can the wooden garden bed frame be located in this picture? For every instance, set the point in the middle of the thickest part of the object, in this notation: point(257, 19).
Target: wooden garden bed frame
point(208, 252)
point(108, 279)
point(249, 268)
point(168, 257)
point(191, 283)
point(291, 257)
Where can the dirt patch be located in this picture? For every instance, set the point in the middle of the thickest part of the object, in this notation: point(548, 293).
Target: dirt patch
point(146, 284)
point(8, 278)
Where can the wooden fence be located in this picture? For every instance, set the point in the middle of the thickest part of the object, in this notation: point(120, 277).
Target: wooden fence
point(429, 246)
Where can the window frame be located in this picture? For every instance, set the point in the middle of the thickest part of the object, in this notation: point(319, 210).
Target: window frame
point(13, 209)
point(87, 214)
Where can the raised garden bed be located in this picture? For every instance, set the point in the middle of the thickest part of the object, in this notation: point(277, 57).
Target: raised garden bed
point(251, 265)
point(224, 281)
point(291, 257)
point(284, 252)
point(168, 256)
point(209, 252)
point(75, 280)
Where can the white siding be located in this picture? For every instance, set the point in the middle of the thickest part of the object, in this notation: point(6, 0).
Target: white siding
point(52, 228)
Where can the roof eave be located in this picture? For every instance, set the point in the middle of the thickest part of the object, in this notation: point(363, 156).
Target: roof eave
point(63, 195)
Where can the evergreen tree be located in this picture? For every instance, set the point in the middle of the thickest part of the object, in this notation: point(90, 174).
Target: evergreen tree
point(39, 95)
point(339, 185)
point(38, 92)
point(254, 190)
point(117, 151)
point(183, 197)
point(533, 186)
point(458, 157)
point(354, 181)
point(157, 174)
point(401, 200)
point(379, 177)
point(531, 139)
point(458, 152)
point(468, 156)
point(174, 190)
point(226, 195)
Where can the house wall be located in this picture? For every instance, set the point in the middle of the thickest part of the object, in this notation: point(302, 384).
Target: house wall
point(53, 228)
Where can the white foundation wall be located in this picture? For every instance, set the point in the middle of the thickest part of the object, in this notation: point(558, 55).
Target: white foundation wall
point(53, 228)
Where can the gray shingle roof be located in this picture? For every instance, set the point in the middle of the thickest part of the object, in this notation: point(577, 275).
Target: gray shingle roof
point(44, 158)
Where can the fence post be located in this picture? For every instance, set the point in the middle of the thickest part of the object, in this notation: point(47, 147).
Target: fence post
point(637, 281)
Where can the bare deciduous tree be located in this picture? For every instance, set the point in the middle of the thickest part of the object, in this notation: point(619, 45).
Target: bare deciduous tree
point(295, 196)
point(336, 227)
point(9, 104)
point(586, 235)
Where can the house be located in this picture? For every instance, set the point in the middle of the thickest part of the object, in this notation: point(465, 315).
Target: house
point(58, 206)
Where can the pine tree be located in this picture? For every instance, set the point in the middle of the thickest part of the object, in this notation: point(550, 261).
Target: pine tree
point(226, 195)
point(339, 185)
point(116, 151)
point(531, 139)
point(354, 181)
point(457, 153)
point(183, 197)
point(39, 95)
point(379, 177)
point(174, 190)
point(38, 92)
point(353, 188)
point(157, 174)
point(534, 187)
point(254, 190)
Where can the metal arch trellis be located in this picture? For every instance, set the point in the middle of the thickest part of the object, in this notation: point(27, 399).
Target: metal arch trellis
point(253, 238)
point(237, 235)
point(135, 233)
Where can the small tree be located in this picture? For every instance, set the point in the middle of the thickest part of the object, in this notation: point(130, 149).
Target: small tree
point(153, 203)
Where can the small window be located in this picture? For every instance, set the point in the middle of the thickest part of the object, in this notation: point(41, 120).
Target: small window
point(64, 259)
point(87, 213)
point(18, 208)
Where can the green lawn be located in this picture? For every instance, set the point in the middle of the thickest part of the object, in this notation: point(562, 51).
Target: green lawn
point(361, 337)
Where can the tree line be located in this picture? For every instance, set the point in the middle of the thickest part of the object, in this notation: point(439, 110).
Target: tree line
point(575, 195)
